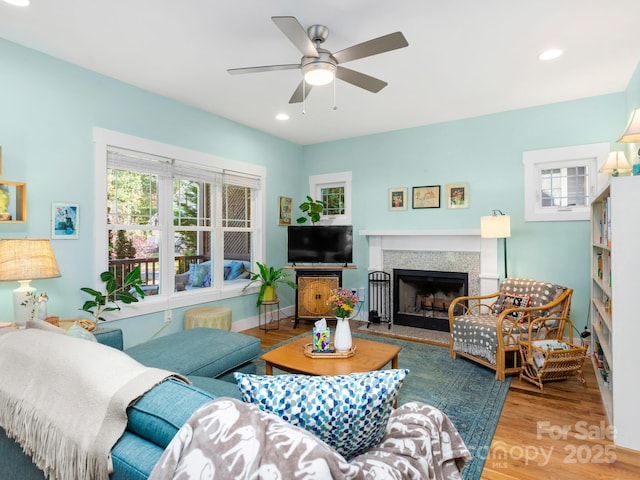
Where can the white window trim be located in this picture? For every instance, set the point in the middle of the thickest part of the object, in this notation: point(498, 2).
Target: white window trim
point(341, 179)
point(165, 302)
point(593, 155)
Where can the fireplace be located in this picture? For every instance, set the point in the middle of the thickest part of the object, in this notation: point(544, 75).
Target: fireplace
point(421, 298)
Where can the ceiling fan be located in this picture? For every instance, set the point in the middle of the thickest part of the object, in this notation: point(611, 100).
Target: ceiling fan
point(319, 66)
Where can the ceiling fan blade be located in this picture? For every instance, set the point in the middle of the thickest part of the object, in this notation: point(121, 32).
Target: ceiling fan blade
point(297, 95)
point(266, 68)
point(296, 34)
point(386, 43)
point(360, 79)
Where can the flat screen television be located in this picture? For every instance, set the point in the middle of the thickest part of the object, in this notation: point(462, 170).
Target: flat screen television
point(320, 244)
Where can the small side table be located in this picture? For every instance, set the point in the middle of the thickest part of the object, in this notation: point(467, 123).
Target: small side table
point(269, 314)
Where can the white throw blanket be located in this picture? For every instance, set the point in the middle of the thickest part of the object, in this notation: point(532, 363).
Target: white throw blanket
point(64, 399)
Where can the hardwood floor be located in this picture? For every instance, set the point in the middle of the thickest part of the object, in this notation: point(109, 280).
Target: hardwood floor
point(559, 434)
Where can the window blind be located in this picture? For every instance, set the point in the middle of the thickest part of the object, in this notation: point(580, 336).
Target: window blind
point(242, 180)
point(123, 159)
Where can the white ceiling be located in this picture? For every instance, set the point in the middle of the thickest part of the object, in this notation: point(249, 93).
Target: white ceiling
point(465, 57)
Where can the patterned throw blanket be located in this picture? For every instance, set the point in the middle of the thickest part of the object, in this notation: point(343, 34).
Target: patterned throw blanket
point(477, 335)
point(64, 399)
point(227, 438)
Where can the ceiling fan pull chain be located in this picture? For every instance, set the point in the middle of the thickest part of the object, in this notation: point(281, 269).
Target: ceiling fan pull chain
point(304, 97)
point(335, 106)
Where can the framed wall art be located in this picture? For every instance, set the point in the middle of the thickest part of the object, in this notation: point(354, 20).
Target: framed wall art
point(65, 220)
point(457, 195)
point(398, 198)
point(284, 210)
point(13, 202)
point(426, 197)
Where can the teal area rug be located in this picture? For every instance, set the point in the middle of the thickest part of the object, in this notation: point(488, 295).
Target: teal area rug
point(466, 392)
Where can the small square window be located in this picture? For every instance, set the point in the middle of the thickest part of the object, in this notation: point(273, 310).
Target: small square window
point(560, 182)
point(334, 190)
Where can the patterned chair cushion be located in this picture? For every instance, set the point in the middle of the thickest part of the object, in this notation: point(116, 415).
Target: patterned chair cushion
point(508, 300)
point(348, 412)
point(541, 292)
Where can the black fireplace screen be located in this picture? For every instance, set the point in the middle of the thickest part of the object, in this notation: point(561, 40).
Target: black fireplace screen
point(380, 298)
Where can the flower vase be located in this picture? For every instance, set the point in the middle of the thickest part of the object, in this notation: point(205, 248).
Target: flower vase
point(342, 337)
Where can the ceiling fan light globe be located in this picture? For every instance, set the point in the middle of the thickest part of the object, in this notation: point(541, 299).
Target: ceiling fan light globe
point(318, 74)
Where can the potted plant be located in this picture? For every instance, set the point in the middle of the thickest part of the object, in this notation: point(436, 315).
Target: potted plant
point(313, 209)
point(106, 301)
point(269, 279)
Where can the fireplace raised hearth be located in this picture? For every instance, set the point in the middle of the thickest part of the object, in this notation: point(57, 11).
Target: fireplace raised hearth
point(421, 298)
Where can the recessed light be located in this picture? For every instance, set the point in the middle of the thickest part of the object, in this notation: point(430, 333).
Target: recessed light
point(18, 3)
point(550, 54)
point(282, 117)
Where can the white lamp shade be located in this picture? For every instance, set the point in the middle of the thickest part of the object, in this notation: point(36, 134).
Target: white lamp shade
point(495, 226)
point(26, 259)
point(632, 132)
point(616, 163)
point(23, 260)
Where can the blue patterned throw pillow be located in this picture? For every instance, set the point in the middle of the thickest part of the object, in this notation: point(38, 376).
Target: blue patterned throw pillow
point(348, 412)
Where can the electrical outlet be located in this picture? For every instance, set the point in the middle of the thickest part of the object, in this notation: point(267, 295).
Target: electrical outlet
point(361, 294)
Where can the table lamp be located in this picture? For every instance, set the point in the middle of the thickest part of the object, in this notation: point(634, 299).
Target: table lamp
point(23, 260)
point(616, 164)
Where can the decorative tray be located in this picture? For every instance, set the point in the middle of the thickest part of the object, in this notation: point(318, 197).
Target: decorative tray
point(308, 352)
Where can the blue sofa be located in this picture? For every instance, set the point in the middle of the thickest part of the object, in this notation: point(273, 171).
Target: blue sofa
point(208, 357)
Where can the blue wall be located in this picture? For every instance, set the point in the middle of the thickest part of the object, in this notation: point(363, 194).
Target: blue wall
point(485, 152)
point(49, 108)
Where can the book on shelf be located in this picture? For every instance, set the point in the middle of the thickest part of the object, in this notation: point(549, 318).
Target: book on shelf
point(607, 217)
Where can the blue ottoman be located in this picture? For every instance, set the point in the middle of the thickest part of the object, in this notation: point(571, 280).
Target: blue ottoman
point(203, 352)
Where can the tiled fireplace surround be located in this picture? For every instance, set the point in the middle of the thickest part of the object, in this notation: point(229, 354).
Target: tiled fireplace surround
point(437, 250)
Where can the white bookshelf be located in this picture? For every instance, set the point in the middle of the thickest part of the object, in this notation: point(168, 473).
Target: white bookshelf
point(615, 313)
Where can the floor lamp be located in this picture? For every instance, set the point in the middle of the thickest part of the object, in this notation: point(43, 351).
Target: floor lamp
point(23, 260)
point(497, 225)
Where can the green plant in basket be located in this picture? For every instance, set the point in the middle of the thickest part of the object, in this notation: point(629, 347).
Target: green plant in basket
point(105, 301)
point(269, 279)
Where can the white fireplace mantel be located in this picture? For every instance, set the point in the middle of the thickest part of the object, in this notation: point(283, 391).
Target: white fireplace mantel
point(437, 241)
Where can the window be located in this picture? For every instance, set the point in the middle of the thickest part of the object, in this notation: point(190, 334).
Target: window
point(335, 192)
point(564, 186)
point(182, 216)
point(560, 182)
point(333, 199)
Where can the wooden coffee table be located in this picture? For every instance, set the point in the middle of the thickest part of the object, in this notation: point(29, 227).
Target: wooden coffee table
point(369, 355)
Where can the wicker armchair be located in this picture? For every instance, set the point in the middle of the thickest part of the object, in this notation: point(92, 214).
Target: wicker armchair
point(487, 329)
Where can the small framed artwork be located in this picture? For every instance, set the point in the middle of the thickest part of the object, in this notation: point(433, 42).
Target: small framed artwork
point(457, 195)
point(398, 198)
point(426, 197)
point(284, 210)
point(65, 220)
